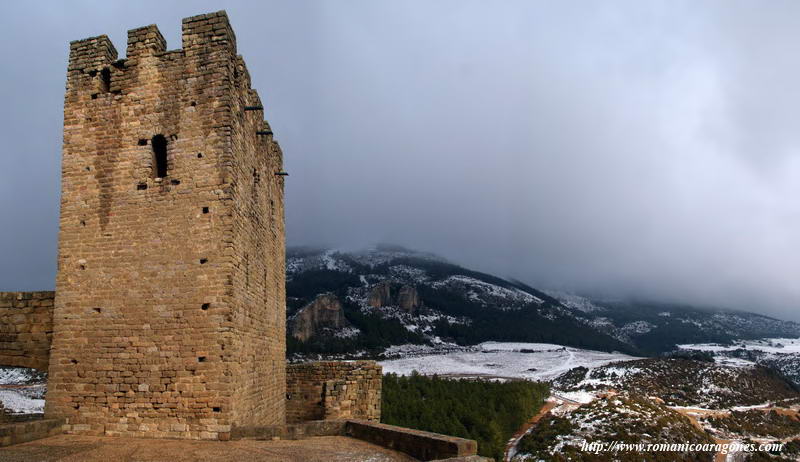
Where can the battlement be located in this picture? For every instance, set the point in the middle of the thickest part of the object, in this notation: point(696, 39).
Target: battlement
point(91, 53)
point(199, 34)
point(212, 29)
point(145, 40)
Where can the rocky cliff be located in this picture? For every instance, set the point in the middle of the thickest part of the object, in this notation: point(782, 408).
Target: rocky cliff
point(385, 293)
point(325, 312)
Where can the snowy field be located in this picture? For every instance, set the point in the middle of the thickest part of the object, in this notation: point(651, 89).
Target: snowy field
point(769, 345)
point(532, 361)
point(785, 350)
point(20, 392)
point(23, 401)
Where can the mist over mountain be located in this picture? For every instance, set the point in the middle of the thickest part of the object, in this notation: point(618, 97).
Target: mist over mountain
point(367, 301)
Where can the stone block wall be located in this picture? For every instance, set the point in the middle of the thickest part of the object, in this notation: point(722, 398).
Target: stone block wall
point(329, 390)
point(22, 432)
point(26, 328)
point(169, 316)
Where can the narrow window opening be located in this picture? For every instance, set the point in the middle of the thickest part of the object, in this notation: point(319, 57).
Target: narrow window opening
point(94, 95)
point(205, 306)
point(201, 359)
point(175, 182)
point(83, 222)
point(159, 144)
point(98, 310)
point(216, 409)
point(205, 209)
point(141, 186)
point(203, 261)
point(105, 79)
point(73, 361)
point(247, 270)
point(142, 142)
point(199, 155)
point(193, 104)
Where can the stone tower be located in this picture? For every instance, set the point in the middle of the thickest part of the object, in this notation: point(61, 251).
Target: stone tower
point(169, 316)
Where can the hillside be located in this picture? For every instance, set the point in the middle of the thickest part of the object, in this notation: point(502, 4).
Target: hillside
point(633, 419)
point(392, 296)
point(657, 327)
point(683, 382)
point(780, 354)
point(666, 400)
point(360, 303)
point(486, 411)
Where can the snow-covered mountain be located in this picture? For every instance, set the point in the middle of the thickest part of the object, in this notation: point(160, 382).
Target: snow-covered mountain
point(658, 327)
point(366, 301)
point(780, 354)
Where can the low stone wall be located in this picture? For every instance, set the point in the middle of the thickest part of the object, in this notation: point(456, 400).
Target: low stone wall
point(329, 390)
point(295, 431)
point(22, 432)
point(26, 329)
point(416, 443)
point(420, 445)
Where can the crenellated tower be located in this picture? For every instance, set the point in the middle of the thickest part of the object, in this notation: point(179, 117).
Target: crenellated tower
point(169, 314)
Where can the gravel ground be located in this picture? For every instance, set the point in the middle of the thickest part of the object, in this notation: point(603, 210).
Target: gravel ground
point(73, 448)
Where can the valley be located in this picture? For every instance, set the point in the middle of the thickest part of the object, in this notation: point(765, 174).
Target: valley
point(618, 371)
point(602, 398)
point(589, 370)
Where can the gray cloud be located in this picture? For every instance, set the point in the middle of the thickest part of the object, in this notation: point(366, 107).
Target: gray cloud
point(624, 148)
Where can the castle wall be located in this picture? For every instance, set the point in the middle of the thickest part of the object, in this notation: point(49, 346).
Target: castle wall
point(169, 313)
point(26, 328)
point(259, 279)
point(330, 390)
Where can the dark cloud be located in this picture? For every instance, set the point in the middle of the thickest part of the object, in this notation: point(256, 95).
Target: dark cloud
point(620, 148)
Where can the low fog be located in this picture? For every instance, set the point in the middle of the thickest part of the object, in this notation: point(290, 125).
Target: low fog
point(620, 149)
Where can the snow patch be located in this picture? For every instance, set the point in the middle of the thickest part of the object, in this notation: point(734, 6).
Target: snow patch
point(532, 361)
point(575, 302)
point(488, 294)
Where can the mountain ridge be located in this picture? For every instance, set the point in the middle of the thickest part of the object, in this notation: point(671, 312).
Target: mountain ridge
point(454, 304)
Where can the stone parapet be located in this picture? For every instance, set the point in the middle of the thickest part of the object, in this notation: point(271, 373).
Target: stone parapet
point(26, 328)
point(22, 432)
point(416, 443)
point(333, 390)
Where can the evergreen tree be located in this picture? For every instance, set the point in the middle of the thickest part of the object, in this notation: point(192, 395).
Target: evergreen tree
point(488, 412)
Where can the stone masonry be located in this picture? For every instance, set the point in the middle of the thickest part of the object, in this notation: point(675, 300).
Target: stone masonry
point(26, 328)
point(328, 390)
point(169, 316)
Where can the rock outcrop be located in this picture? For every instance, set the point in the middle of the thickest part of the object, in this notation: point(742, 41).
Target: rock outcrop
point(385, 293)
point(324, 312)
point(380, 294)
point(408, 298)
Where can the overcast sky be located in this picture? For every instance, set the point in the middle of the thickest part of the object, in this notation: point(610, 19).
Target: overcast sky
point(625, 148)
